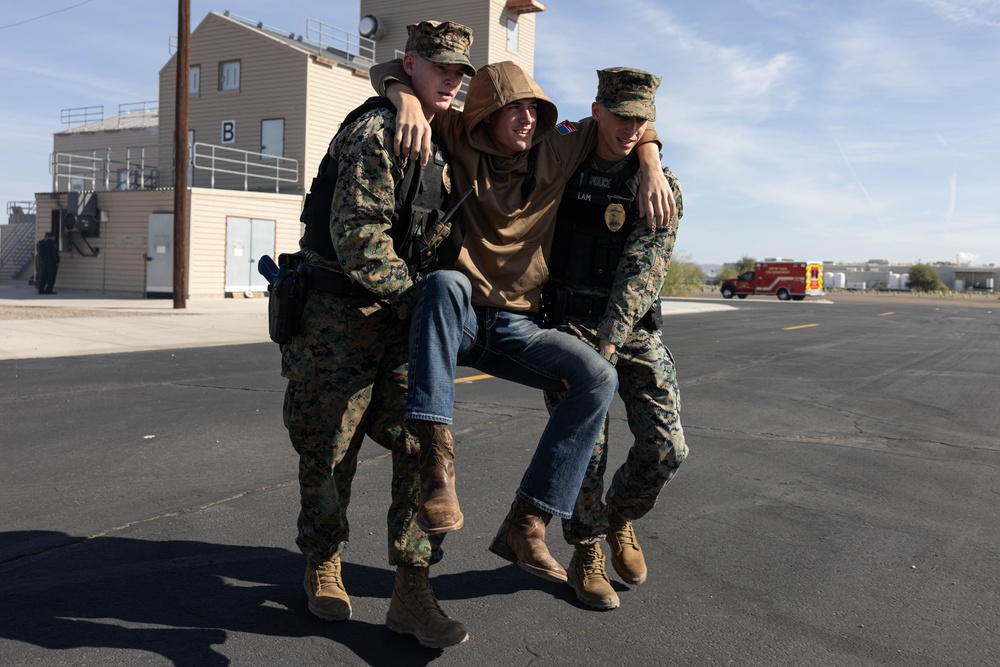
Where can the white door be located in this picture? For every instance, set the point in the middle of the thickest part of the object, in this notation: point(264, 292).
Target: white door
point(160, 254)
point(246, 241)
point(272, 137)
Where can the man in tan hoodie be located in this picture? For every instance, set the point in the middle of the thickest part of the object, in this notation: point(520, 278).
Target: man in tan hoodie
point(482, 313)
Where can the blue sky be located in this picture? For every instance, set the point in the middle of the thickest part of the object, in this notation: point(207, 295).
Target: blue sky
point(804, 129)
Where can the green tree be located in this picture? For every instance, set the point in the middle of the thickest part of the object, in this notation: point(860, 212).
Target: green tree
point(745, 264)
point(924, 278)
point(727, 272)
point(684, 277)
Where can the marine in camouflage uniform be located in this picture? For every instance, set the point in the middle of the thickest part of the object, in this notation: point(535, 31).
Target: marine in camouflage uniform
point(346, 367)
point(596, 310)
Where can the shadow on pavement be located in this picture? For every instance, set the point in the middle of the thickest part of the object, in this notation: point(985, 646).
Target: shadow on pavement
point(181, 599)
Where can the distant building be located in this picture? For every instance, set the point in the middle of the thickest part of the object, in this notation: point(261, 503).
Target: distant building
point(263, 105)
point(883, 275)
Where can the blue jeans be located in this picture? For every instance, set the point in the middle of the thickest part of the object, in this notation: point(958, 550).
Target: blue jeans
point(448, 331)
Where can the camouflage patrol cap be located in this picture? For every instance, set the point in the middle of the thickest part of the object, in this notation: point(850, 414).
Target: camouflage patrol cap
point(628, 92)
point(444, 43)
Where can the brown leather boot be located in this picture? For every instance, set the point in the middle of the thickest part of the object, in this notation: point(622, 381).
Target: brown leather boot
point(521, 540)
point(325, 590)
point(588, 578)
point(415, 611)
point(626, 555)
point(439, 511)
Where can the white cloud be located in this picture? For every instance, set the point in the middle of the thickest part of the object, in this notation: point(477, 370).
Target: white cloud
point(753, 134)
point(867, 56)
point(967, 258)
point(976, 13)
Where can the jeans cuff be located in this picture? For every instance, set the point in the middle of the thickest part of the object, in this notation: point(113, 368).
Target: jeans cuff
point(425, 417)
point(544, 506)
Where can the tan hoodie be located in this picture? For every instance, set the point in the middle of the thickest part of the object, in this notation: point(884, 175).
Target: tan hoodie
point(505, 235)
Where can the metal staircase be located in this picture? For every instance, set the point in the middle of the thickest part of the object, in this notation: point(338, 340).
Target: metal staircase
point(17, 243)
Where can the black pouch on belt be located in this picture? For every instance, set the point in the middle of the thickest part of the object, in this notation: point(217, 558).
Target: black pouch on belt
point(286, 299)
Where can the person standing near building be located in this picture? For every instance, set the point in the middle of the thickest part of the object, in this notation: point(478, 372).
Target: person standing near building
point(346, 367)
point(483, 313)
point(606, 272)
point(46, 263)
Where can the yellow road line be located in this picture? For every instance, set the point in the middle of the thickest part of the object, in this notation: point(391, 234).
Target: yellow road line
point(891, 312)
point(801, 326)
point(472, 378)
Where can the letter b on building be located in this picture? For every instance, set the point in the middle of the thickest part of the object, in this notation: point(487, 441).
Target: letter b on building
point(229, 131)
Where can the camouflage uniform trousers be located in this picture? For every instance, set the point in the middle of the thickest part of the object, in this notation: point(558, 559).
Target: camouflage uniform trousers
point(647, 383)
point(346, 373)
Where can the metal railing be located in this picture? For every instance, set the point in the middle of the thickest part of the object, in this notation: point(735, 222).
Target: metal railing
point(94, 171)
point(20, 211)
point(325, 38)
point(233, 161)
point(147, 112)
point(76, 171)
point(343, 43)
point(81, 116)
point(137, 174)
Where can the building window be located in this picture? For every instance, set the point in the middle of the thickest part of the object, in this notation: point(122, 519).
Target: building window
point(512, 35)
point(194, 80)
point(229, 75)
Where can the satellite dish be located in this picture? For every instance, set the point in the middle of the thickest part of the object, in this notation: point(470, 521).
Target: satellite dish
point(69, 222)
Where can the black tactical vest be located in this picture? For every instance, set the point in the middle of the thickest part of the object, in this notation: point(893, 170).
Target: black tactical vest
point(420, 199)
point(596, 215)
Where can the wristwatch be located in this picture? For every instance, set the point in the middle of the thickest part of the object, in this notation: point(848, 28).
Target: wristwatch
point(612, 357)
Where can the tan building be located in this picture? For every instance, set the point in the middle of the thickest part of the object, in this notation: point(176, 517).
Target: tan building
point(263, 104)
point(120, 153)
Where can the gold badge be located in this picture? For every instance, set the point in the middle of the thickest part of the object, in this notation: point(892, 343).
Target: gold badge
point(614, 216)
point(446, 178)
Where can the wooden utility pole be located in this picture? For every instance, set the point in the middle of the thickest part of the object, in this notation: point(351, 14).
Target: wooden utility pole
point(181, 153)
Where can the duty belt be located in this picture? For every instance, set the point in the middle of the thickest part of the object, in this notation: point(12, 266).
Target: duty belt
point(582, 307)
point(333, 282)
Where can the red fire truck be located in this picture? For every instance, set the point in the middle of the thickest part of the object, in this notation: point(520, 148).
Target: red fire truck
point(786, 280)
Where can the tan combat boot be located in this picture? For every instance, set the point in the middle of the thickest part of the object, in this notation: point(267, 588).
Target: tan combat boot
point(626, 555)
point(415, 611)
point(588, 578)
point(521, 540)
point(439, 511)
point(327, 597)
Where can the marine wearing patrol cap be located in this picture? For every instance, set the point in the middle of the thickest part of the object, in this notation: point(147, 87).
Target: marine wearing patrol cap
point(628, 92)
point(443, 43)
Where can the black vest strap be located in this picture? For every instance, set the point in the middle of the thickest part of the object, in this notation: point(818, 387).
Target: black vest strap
point(420, 196)
point(589, 242)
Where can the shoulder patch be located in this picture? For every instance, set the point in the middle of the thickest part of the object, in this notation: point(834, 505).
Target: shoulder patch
point(565, 127)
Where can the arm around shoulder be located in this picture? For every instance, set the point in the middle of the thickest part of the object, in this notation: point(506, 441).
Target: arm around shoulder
point(656, 201)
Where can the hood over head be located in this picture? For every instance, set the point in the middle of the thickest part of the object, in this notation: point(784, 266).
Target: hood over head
point(492, 88)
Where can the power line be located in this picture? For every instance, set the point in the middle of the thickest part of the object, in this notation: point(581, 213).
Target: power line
point(64, 9)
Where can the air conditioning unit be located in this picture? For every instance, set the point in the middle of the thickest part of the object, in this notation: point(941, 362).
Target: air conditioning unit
point(82, 214)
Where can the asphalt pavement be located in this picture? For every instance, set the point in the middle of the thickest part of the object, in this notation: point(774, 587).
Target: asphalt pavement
point(838, 506)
